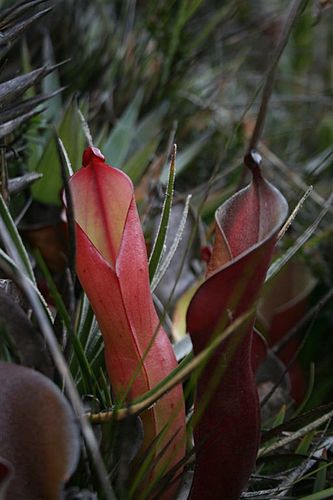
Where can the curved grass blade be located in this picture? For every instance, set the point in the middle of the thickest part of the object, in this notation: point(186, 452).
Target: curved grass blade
point(23, 259)
point(176, 376)
point(117, 145)
point(88, 377)
point(162, 268)
point(158, 248)
point(301, 240)
point(320, 495)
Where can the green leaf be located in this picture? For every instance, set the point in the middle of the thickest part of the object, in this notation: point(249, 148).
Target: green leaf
point(185, 11)
point(320, 495)
point(320, 481)
point(211, 25)
point(51, 83)
point(185, 157)
point(118, 143)
point(48, 189)
point(149, 127)
point(137, 164)
point(304, 445)
point(279, 418)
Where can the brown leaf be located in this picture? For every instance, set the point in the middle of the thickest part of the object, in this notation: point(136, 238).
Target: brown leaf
point(38, 434)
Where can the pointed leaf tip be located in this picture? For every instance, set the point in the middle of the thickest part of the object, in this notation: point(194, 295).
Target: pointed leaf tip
point(90, 153)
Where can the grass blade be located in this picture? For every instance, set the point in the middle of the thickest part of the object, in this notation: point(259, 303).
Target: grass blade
point(158, 247)
point(23, 260)
point(162, 268)
point(328, 493)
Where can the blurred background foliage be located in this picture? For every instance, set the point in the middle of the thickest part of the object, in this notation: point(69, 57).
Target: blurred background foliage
point(148, 69)
point(147, 73)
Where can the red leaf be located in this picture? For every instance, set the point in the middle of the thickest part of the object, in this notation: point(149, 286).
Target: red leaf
point(112, 268)
point(38, 435)
point(227, 434)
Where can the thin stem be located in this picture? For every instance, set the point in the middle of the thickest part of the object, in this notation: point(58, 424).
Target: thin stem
point(296, 8)
point(296, 435)
point(177, 378)
point(65, 173)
